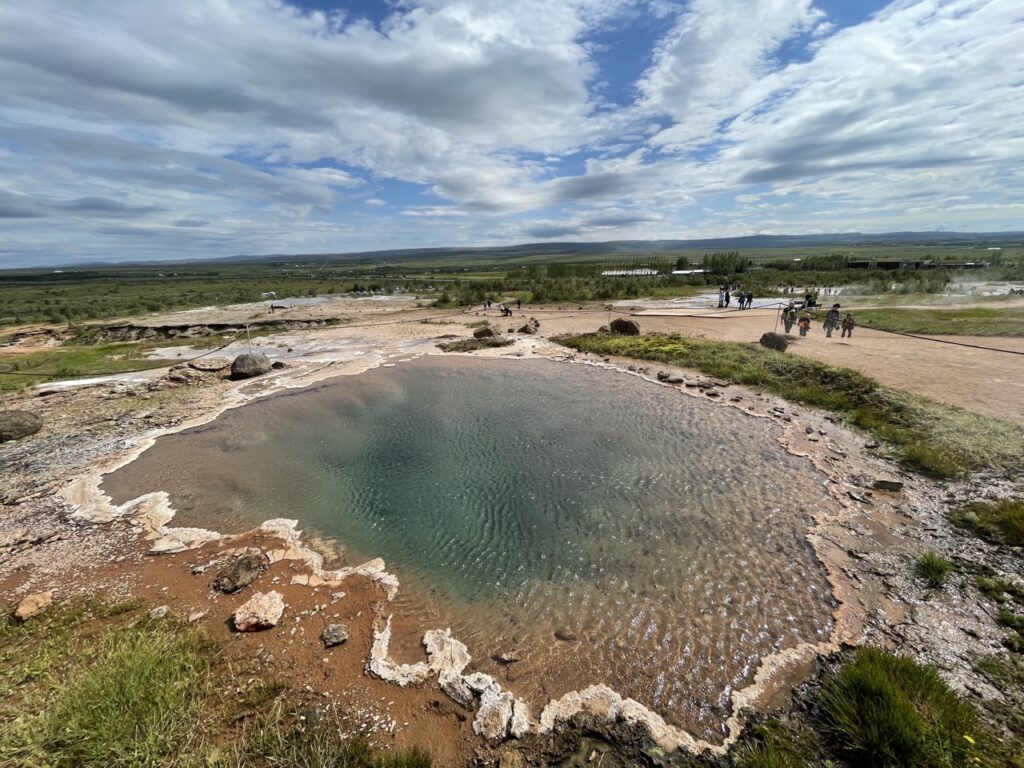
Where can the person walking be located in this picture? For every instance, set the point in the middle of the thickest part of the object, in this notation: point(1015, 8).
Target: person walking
point(847, 326)
point(805, 324)
point(519, 303)
point(721, 297)
point(831, 321)
point(727, 298)
point(789, 316)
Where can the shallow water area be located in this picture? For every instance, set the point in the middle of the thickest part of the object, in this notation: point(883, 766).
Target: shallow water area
point(517, 498)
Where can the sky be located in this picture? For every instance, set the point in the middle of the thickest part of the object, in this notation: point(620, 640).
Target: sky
point(207, 128)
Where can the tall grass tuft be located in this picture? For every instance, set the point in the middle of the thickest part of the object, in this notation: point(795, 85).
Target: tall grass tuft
point(886, 711)
point(933, 568)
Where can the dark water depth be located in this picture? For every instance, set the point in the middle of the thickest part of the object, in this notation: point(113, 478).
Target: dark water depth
point(515, 497)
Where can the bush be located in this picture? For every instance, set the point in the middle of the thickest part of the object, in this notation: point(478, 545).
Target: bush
point(883, 710)
point(933, 568)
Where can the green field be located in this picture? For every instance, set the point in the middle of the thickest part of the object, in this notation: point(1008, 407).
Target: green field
point(975, 321)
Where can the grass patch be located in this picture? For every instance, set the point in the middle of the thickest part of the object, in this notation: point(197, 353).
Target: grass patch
point(774, 746)
point(975, 321)
point(280, 740)
point(93, 685)
point(924, 435)
point(998, 590)
point(1000, 521)
point(933, 568)
point(883, 710)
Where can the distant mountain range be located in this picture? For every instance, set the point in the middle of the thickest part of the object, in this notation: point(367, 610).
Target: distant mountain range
point(547, 250)
point(647, 246)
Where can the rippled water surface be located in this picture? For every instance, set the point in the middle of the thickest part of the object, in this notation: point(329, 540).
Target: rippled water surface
point(514, 498)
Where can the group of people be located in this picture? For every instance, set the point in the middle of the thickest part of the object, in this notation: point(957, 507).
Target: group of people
point(506, 310)
point(801, 318)
point(743, 300)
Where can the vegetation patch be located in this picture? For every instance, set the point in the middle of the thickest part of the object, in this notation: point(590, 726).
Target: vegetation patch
point(883, 710)
point(1000, 521)
point(94, 685)
point(924, 435)
point(933, 568)
point(975, 321)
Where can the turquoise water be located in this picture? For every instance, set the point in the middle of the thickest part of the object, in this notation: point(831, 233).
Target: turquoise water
point(516, 497)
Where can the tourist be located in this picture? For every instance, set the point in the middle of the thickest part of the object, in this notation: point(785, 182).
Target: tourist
point(805, 324)
point(519, 303)
point(847, 326)
point(750, 299)
point(831, 321)
point(728, 298)
point(789, 316)
point(808, 301)
point(721, 297)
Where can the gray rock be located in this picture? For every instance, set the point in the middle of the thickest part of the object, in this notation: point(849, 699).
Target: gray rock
point(527, 329)
point(239, 573)
point(246, 366)
point(483, 333)
point(663, 375)
point(210, 364)
point(159, 612)
point(15, 425)
point(624, 327)
point(887, 484)
point(774, 341)
point(334, 634)
point(262, 611)
point(506, 657)
point(604, 329)
point(566, 635)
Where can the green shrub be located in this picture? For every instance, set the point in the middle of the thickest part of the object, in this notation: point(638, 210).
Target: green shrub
point(886, 711)
point(1000, 521)
point(933, 568)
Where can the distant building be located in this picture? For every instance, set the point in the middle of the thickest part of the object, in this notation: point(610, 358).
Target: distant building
point(688, 271)
point(643, 272)
point(268, 295)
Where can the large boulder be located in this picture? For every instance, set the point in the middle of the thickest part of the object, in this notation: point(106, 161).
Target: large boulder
point(624, 326)
point(262, 611)
point(239, 573)
point(249, 365)
point(484, 332)
point(527, 329)
point(774, 341)
point(15, 425)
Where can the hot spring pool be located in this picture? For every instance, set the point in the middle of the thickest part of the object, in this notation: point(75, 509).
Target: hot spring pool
point(513, 498)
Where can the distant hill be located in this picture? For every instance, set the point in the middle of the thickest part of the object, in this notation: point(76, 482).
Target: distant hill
point(647, 246)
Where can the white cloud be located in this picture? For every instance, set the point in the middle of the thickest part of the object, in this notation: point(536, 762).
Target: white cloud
point(208, 127)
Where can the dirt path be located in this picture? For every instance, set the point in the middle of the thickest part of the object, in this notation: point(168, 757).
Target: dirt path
point(983, 382)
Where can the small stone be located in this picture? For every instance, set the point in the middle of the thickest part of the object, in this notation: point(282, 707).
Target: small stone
point(334, 634)
point(809, 430)
point(196, 616)
point(506, 657)
point(662, 375)
point(159, 612)
point(262, 611)
point(887, 484)
point(33, 605)
point(566, 635)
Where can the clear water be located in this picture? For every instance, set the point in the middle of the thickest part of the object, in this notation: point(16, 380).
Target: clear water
point(516, 497)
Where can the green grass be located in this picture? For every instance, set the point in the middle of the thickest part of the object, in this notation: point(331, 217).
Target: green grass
point(975, 321)
point(924, 435)
point(998, 590)
point(933, 568)
point(886, 711)
point(999, 521)
point(93, 685)
point(774, 746)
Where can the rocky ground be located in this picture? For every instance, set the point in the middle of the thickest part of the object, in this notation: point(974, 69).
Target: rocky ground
point(59, 537)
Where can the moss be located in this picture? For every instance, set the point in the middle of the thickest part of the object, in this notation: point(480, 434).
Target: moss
point(932, 438)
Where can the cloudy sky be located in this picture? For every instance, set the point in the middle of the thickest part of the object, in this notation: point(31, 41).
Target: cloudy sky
point(138, 129)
